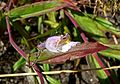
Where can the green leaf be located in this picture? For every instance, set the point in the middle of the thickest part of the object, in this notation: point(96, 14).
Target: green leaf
point(46, 67)
point(112, 46)
point(75, 52)
point(108, 26)
point(40, 25)
point(100, 73)
point(52, 16)
point(111, 53)
point(52, 24)
point(52, 80)
point(87, 24)
point(52, 31)
point(35, 9)
point(19, 63)
point(105, 25)
point(90, 26)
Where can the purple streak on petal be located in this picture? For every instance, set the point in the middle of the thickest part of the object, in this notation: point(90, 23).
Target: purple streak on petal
point(22, 53)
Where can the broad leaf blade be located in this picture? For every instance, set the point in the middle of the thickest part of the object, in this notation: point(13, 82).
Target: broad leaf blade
point(88, 25)
point(76, 52)
point(35, 9)
point(105, 25)
point(108, 26)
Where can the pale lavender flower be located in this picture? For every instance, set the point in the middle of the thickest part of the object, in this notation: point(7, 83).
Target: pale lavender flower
point(58, 44)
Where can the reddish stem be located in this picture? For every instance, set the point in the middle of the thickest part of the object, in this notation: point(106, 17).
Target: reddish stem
point(83, 37)
point(12, 41)
point(103, 66)
point(85, 40)
point(21, 52)
point(39, 73)
point(77, 26)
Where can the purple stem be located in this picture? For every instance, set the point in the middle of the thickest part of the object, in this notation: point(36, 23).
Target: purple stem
point(76, 25)
point(12, 42)
point(21, 52)
point(103, 66)
point(85, 40)
point(39, 73)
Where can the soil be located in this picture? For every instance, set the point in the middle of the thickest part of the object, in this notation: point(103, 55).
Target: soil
point(7, 60)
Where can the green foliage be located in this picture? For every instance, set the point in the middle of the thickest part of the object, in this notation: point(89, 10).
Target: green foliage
point(111, 53)
point(52, 80)
point(50, 20)
point(100, 73)
point(34, 9)
point(19, 64)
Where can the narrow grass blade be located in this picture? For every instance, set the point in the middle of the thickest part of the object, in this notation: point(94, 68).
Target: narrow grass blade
point(19, 63)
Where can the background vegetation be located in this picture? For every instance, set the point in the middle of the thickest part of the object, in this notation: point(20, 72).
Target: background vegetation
point(24, 24)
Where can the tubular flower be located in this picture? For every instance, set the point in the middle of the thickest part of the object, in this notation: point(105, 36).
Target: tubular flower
point(60, 43)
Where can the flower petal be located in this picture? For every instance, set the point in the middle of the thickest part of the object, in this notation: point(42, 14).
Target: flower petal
point(68, 46)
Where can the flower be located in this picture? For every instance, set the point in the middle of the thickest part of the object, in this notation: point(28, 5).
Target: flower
point(60, 43)
point(68, 46)
point(52, 43)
